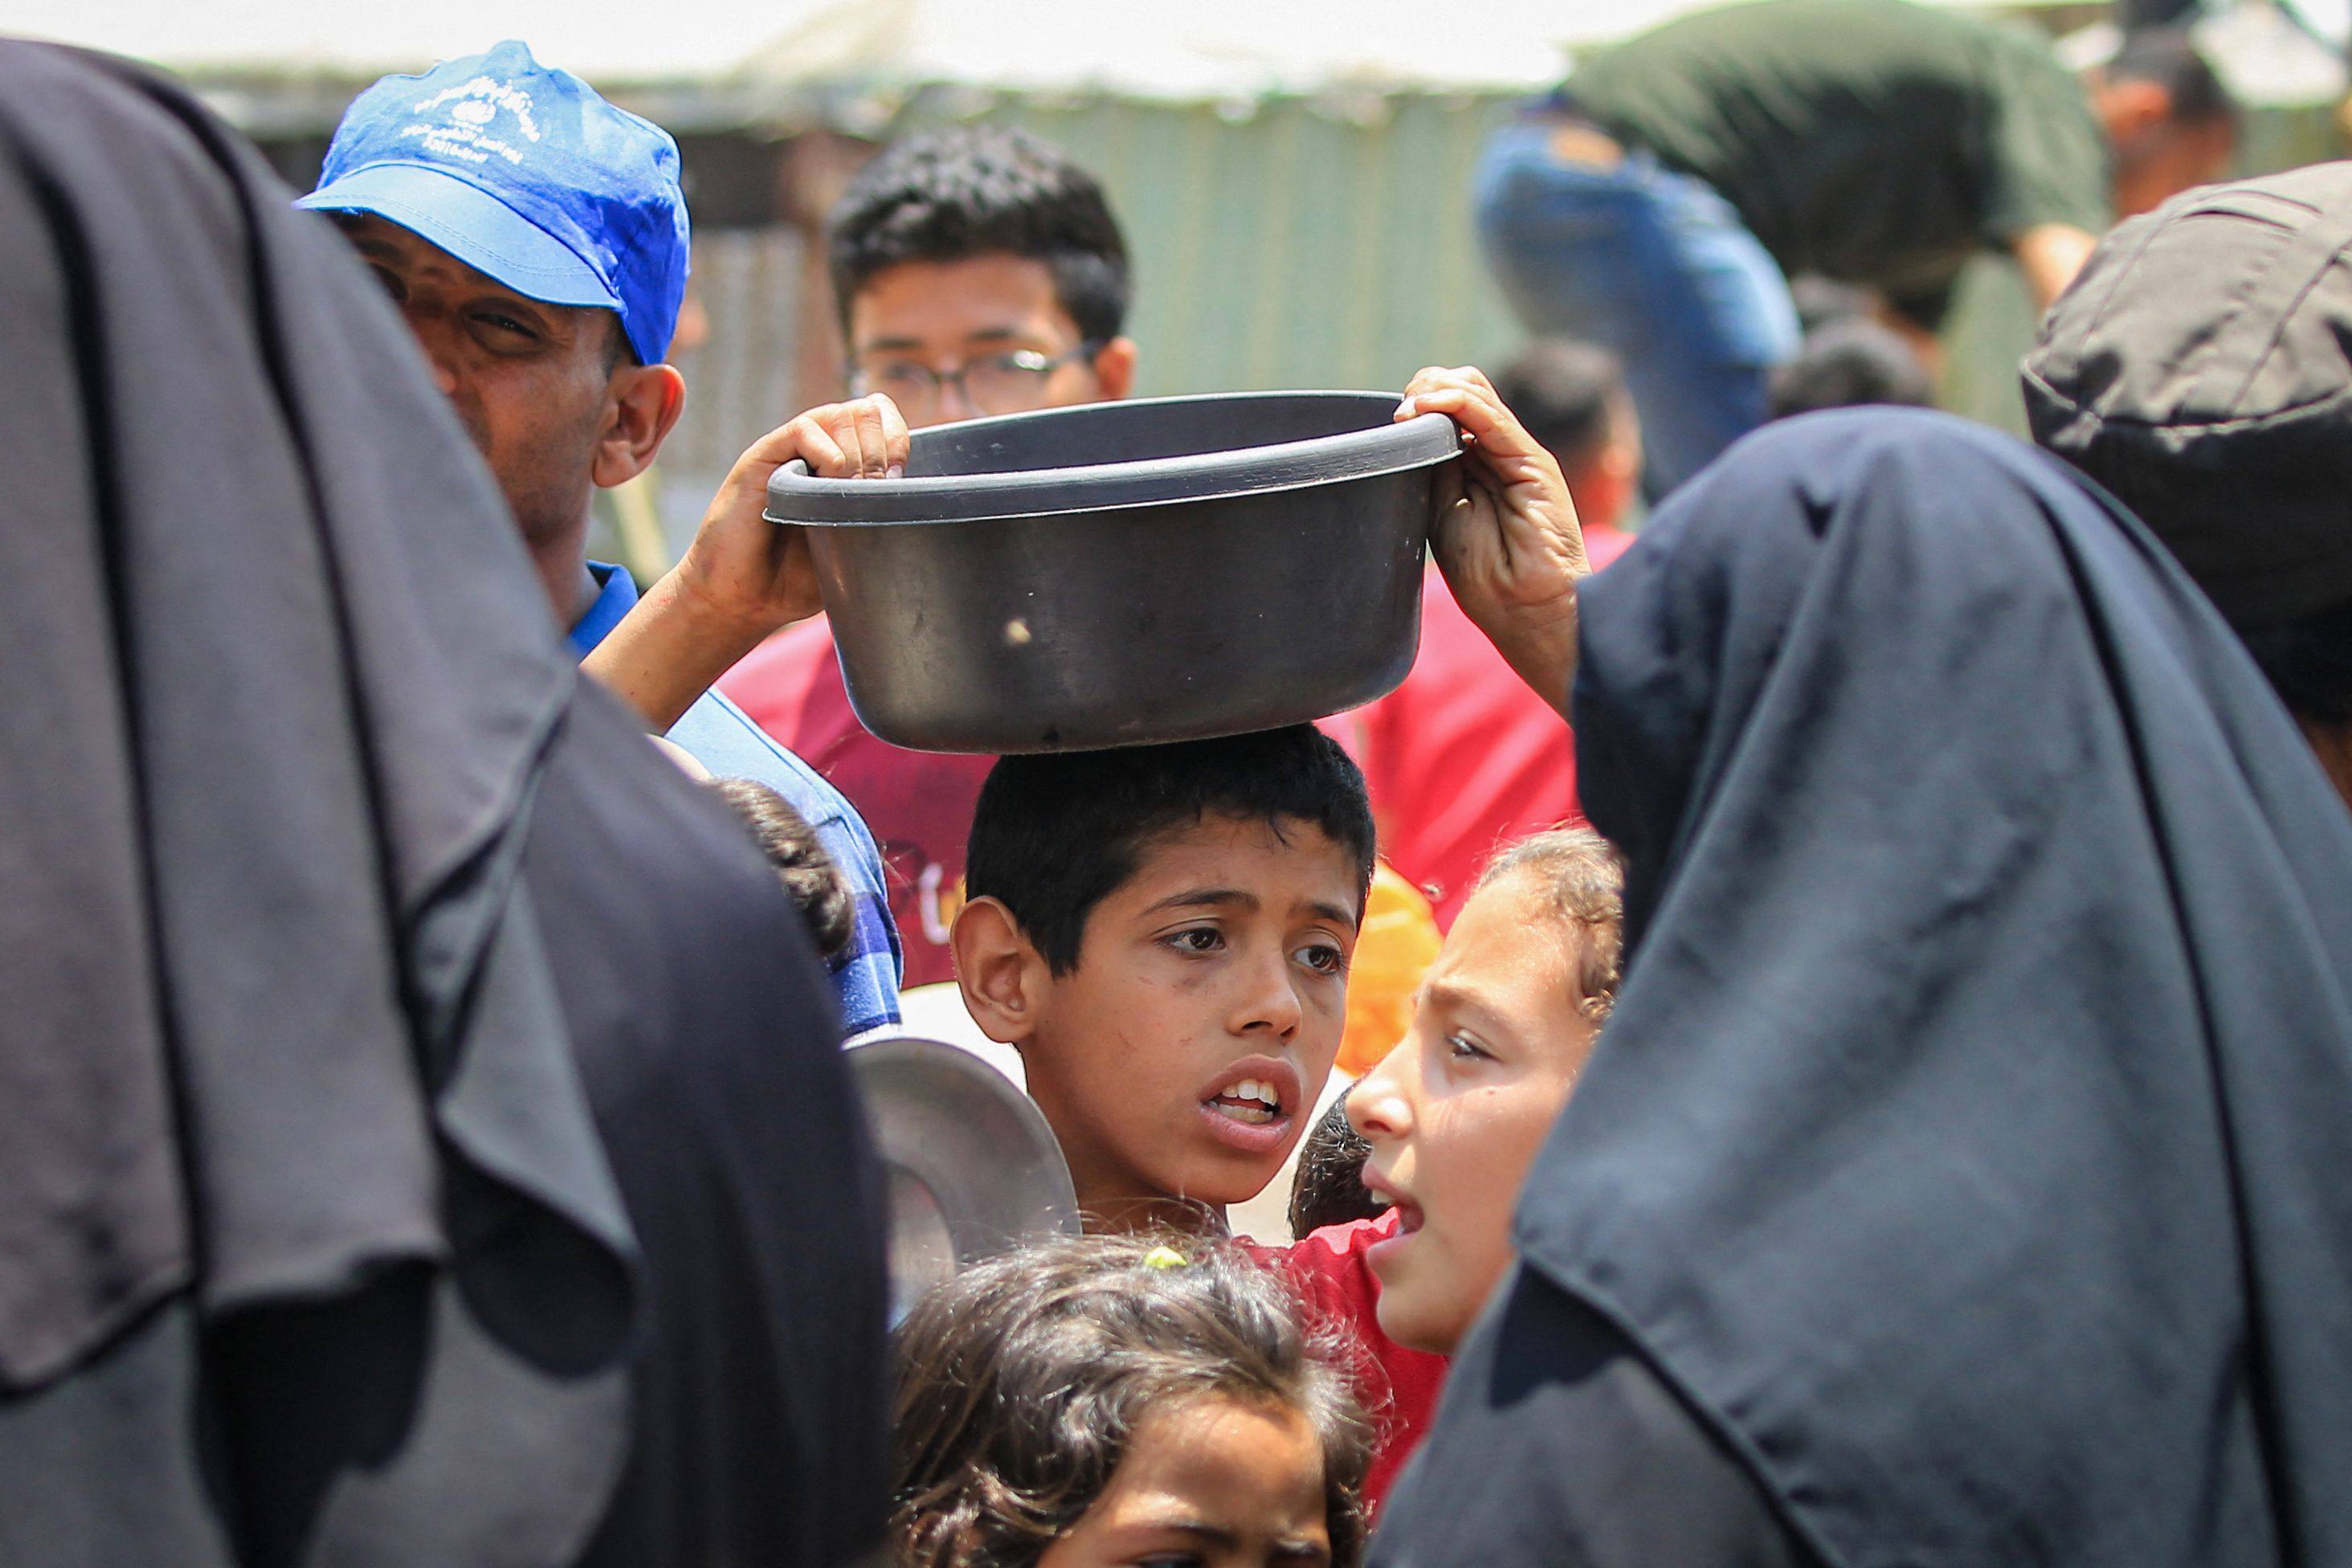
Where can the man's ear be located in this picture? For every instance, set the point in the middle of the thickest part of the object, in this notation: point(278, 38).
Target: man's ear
point(1001, 972)
point(1114, 367)
point(641, 408)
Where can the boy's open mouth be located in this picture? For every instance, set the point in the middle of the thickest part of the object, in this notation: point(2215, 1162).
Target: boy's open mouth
point(1253, 1104)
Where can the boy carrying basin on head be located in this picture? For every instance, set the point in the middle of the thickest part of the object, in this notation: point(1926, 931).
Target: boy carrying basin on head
point(1176, 981)
point(1163, 932)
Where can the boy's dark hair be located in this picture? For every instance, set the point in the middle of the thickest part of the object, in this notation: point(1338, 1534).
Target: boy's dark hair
point(1568, 393)
point(2169, 58)
point(1847, 362)
point(1056, 834)
point(1328, 1186)
point(1020, 1383)
point(981, 190)
point(802, 864)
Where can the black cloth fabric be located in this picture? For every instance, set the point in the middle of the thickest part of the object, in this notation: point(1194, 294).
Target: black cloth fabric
point(1629, 1476)
point(706, 1035)
point(1964, 1150)
point(2200, 369)
point(1874, 141)
point(311, 1248)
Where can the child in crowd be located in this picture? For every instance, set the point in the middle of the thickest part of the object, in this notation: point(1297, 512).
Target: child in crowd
point(1328, 1188)
point(1115, 1400)
point(1455, 1113)
point(978, 270)
point(1163, 932)
point(1453, 1118)
point(807, 872)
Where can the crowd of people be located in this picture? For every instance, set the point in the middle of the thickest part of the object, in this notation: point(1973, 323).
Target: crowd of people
point(1836, 961)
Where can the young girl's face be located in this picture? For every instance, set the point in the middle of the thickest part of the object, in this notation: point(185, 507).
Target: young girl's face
point(1209, 1483)
point(1455, 1113)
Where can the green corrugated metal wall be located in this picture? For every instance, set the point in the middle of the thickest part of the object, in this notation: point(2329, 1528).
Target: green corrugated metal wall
point(1293, 246)
point(1298, 245)
point(1290, 245)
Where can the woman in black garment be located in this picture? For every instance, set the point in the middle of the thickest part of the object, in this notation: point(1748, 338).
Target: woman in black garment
point(423, 1138)
point(1960, 1178)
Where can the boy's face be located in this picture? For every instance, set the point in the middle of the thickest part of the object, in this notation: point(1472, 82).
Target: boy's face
point(1180, 1058)
point(943, 338)
point(1455, 1113)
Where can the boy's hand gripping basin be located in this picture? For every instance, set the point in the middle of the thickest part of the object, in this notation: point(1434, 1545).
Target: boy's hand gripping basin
point(1120, 573)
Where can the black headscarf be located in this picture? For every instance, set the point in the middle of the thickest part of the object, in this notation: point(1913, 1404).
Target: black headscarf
point(309, 1246)
point(2200, 368)
point(1968, 1144)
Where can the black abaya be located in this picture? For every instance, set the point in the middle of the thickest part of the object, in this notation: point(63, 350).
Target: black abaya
point(421, 1138)
point(1960, 1170)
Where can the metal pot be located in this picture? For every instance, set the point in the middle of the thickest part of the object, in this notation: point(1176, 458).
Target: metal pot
point(1126, 573)
point(973, 1166)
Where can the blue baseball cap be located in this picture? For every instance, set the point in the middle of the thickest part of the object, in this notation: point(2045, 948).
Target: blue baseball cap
point(524, 174)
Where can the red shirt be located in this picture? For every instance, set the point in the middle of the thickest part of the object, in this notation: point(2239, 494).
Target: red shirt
point(1463, 758)
point(918, 804)
point(1397, 1387)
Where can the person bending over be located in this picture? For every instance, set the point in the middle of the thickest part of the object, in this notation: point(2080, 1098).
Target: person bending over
point(1111, 1400)
point(1659, 201)
point(535, 239)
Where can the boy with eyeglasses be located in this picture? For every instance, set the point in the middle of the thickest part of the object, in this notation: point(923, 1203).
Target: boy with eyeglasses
point(979, 271)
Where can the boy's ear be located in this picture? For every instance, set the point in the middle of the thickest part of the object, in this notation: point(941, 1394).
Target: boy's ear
point(1001, 975)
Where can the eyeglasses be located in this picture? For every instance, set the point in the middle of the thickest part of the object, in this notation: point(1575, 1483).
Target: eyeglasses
point(1012, 383)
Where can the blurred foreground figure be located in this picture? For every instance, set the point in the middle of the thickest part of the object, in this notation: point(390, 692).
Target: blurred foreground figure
point(1960, 1177)
point(2200, 371)
point(1658, 202)
point(412, 1151)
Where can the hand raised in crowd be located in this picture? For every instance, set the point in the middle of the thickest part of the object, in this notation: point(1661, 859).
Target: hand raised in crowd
point(744, 578)
point(1504, 533)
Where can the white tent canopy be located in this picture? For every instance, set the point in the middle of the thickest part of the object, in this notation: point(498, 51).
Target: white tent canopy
point(1203, 50)
point(597, 39)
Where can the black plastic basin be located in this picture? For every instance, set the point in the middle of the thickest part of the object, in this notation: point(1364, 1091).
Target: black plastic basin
point(1124, 573)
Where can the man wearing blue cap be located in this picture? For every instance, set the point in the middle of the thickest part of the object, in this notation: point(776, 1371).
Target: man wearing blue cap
point(536, 238)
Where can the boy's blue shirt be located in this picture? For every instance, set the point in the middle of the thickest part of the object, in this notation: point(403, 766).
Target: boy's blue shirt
point(723, 738)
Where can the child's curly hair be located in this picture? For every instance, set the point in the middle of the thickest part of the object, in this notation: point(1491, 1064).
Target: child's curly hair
point(810, 877)
point(1020, 1383)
